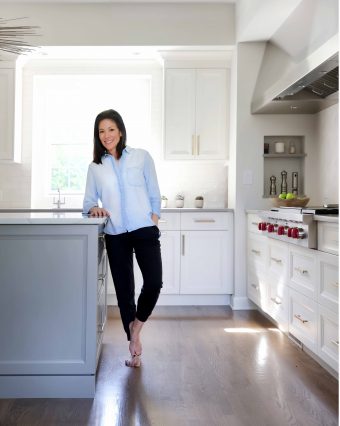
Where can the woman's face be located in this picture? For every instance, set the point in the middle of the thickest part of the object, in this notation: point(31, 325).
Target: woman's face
point(109, 135)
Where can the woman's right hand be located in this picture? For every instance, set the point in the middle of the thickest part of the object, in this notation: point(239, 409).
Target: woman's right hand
point(98, 212)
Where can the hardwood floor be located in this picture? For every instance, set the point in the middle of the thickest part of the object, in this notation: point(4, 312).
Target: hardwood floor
point(201, 366)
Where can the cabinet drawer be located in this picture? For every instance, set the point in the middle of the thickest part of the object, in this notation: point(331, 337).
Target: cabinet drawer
point(328, 341)
point(328, 237)
point(169, 221)
point(206, 221)
point(257, 251)
point(328, 292)
point(253, 221)
point(256, 288)
point(277, 301)
point(277, 258)
point(303, 319)
point(302, 271)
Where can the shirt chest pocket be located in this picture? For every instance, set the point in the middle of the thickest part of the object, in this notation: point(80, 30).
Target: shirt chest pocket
point(135, 176)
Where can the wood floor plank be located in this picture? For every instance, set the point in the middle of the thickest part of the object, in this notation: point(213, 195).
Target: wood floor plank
point(200, 366)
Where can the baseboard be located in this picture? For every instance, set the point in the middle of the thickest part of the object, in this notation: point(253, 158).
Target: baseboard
point(241, 303)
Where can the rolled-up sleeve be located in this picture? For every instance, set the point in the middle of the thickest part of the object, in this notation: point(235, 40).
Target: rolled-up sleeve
point(152, 184)
point(91, 194)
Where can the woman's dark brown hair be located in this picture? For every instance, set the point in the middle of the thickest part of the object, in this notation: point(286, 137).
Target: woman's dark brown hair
point(98, 148)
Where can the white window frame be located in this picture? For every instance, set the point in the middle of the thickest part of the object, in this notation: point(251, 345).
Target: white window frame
point(39, 197)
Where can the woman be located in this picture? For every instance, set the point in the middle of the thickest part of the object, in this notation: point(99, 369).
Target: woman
point(124, 180)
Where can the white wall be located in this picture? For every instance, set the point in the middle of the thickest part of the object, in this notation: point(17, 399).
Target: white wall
point(118, 25)
point(248, 146)
point(127, 24)
point(327, 153)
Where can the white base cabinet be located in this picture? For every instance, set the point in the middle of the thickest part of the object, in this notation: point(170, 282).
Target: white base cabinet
point(197, 256)
point(297, 287)
point(206, 262)
point(52, 309)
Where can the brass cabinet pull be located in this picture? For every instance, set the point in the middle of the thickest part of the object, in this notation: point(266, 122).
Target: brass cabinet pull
point(204, 220)
point(335, 342)
point(198, 145)
point(300, 319)
point(255, 286)
point(256, 251)
point(183, 247)
point(193, 144)
point(301, 271)
point(275, 301)
point(276, 260)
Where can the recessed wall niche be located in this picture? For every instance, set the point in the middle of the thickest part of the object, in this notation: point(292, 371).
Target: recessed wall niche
point(283, 153)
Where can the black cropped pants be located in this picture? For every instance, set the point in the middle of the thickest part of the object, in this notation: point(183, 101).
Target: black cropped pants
point(145, 243)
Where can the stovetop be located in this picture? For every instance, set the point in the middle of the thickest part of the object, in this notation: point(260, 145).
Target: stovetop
point(320, 210)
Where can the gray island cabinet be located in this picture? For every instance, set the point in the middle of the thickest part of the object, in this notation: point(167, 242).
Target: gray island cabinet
point(52, 304)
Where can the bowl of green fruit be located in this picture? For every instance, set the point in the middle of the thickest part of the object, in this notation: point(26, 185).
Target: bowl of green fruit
point(290, 200)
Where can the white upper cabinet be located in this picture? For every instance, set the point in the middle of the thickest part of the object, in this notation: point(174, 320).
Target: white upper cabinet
point(7, 114)
point(196, 114)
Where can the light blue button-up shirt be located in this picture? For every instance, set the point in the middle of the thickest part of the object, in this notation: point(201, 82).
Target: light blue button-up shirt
point(128, 189)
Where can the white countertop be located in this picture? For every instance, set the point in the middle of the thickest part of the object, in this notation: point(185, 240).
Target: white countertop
point(194, 209)
point(47, 218)
point(334, 218)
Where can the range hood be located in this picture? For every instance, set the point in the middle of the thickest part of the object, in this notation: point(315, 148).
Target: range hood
point(315, 91)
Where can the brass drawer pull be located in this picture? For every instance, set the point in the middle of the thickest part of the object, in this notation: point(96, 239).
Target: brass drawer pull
point(335, 342)
point(275, 301)
point(204, 220)
point(255, 224)
point(162, 221)
point(276, 260)
point(255, 251)
point(301, 271)
point(300, 319)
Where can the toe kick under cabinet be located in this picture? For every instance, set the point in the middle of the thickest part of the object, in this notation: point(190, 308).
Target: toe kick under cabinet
point(197, 258)
point(298, 287)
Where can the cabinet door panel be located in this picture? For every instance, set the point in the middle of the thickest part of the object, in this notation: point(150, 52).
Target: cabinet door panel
point(303, 319)
point(302, 271)
point(257, 288)
point(328, 237)
point(328, 345)
point(206, 262)
point(170, 249)
point(257, 251)
point(277, 258)
point(179, 113)
point(211, 113)
point(277, 302)
point(328, 293)
point(7, 114)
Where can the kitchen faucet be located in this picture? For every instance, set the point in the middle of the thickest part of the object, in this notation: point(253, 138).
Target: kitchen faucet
point(58, 202)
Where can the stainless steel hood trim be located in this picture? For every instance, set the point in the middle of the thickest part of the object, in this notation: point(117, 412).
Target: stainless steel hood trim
point(306, 102)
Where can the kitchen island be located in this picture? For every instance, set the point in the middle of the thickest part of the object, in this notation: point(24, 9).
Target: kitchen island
point(52, 304)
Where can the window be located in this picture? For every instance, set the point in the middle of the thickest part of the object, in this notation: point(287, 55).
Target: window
point(64, 110)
